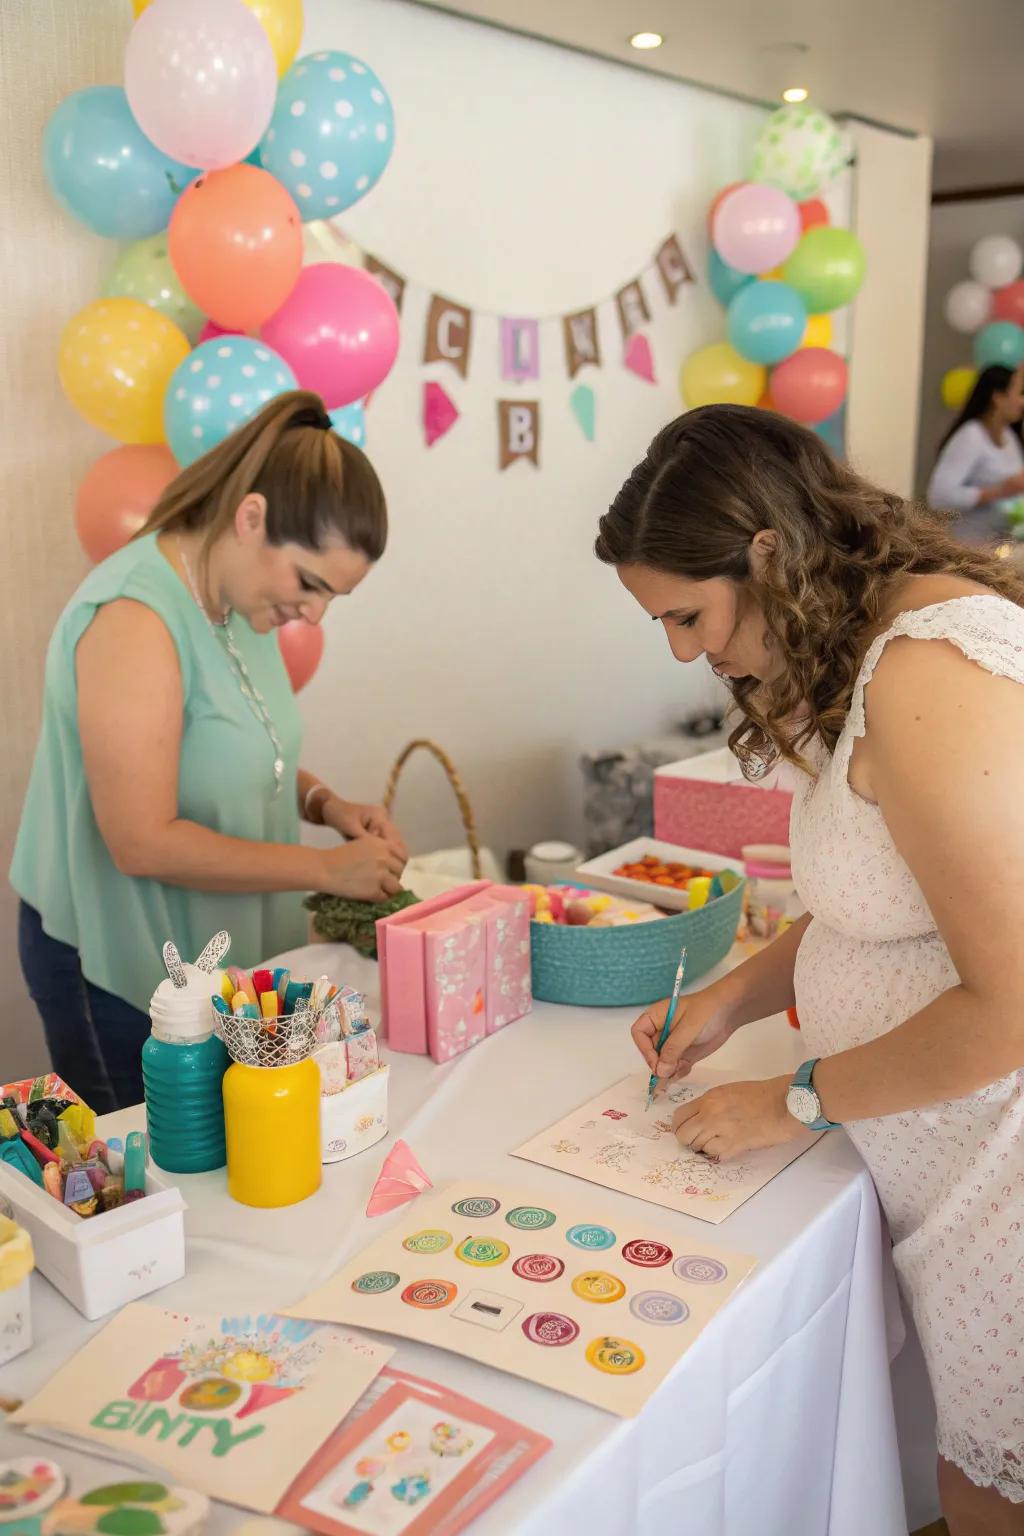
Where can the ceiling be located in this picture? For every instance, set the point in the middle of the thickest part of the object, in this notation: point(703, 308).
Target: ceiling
point(948, 68)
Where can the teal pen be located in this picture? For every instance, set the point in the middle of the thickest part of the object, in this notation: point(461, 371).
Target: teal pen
point(666, 1028)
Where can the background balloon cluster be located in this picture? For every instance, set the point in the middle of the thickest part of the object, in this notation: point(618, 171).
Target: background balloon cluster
point(220, 146)
point(779, 268)
point(989, 305)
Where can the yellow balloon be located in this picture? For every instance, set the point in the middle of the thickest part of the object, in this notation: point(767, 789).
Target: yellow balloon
point(776, 275)
point(718, 375)
point(281, 20)
point(956, 386)
point(116, 358)
point(818, 332)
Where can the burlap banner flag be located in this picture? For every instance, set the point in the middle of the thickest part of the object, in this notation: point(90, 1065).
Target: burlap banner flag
point(449, 334)
point(631, 304)
point(520, 349)
point(673, 267)
point(392, 282)
point(518, 432)
point(581, 342)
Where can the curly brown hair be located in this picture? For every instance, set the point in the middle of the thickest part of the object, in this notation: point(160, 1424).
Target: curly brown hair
point(714, 478)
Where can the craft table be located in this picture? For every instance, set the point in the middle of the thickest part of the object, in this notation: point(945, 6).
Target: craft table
point(778, 1420)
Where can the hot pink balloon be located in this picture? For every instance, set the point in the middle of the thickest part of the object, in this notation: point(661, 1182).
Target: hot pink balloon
point(1008, 302)
point(302, 646)
point(810, 385)
point(338, 331)
point(118, 493)
point(755, 227)
point(201, 80)
point(211, 330)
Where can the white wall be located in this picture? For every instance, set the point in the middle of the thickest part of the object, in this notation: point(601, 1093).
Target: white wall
point(954, 229)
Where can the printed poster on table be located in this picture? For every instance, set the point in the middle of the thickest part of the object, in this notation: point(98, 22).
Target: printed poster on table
point(557, 1294)
point(614, 1140)
point(231, 1406)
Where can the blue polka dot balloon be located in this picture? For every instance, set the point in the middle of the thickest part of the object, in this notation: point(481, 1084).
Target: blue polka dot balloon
point(349, 421)
point(218, 387)
point(331, 134)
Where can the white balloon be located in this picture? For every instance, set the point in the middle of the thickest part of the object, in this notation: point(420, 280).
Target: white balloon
point(968, 306)
point(996, 261)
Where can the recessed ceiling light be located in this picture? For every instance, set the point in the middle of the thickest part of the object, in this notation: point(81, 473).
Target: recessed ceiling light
point(646, 40)
point(795, 93)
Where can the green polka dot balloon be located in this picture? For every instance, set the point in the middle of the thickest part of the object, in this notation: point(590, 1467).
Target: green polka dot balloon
point(143, 271)
point(801, 150)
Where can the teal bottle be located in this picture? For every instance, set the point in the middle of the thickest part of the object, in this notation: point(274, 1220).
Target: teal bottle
point(183, 1066)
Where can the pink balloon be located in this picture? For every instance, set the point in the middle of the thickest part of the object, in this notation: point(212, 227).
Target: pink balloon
point(302, 646)
point(201, 80)
point(338, 330)
point(1008, 302)
point(755, 227)
point(810, 386)
point(211, 330)
point(118, 493)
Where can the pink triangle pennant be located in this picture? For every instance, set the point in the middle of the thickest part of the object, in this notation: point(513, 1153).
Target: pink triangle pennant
point(440, 412)
point(400, 1179)
point(638, 357)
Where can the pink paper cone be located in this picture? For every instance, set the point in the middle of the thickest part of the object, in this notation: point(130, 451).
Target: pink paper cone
point(400, 1179)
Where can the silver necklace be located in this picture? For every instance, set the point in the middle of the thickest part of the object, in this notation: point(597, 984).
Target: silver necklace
point(247, 687)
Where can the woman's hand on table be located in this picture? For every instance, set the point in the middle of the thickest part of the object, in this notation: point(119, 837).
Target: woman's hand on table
point(354, 821)
point(703, 1023)
point(366, 869)
point(735, 1118)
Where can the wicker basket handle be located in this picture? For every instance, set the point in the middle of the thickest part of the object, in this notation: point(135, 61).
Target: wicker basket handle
point(465, 809)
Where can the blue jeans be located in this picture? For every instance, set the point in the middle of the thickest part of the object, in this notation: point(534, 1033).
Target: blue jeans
point(95, 1040)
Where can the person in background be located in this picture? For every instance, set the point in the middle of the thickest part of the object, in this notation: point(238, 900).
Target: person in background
point(166, 793)
point(980, 461)
point(885, 661)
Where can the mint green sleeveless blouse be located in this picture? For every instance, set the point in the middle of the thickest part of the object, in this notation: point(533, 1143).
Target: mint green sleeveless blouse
point(61, 866)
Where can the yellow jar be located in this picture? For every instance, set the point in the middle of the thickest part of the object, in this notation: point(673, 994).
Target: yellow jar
point(272, 1122)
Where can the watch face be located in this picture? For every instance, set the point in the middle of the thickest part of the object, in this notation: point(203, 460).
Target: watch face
point(803, 1104)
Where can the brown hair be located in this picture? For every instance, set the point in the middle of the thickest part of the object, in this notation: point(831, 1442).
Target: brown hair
point(315, 483)
point(712, 480)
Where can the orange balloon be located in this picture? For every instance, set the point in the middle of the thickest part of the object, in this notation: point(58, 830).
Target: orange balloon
point(765, 402)
point(812, 213)
point(302, 646)
point(235, 240)
point(720, 197)
point(118, 494)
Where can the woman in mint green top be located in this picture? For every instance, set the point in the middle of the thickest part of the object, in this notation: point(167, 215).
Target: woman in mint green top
point(166, 794)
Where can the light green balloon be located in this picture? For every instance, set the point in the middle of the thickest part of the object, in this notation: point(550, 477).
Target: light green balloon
point(801, 150)
point(143, 271)
point(826, 269)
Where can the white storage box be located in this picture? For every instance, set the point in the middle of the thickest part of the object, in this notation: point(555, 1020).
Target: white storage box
point(600, 872)
point(352, 1120)
point(15, 1320)
point(101, 1262)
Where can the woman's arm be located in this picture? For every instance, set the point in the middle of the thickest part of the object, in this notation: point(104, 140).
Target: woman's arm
point(321, 807)
point(130, 718)
point(948, 488)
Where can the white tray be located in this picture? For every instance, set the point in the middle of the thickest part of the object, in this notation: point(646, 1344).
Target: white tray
point(599, 872)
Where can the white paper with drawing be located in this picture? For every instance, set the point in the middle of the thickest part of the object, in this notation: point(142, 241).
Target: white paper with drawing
point(612, 1140)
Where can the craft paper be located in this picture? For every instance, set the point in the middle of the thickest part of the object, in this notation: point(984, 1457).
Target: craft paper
point(137, 1507)
point(673, 267)
point(412, 1458)
point(638, 357)
point(231, 1406)
point(520, 349)
point(583, 407)
point(631, 303)
point(449, 333)
point(581, 341)
point(440, 412)
point(600, 1310)
point(400, 1179)
point(610, 1140)
point(392, 282)
point(518, 432)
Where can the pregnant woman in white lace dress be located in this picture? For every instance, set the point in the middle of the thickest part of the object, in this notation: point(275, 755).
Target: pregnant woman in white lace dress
point(886, 660)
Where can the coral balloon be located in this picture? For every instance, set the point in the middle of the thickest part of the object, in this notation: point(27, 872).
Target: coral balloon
point(144, 272)
point(118, 494)
point(1008, 303)
point(956, 386)
point(755, 227)
point(116, 359)
point(236, 243)
point(810, 386)
point(826, 269)
point(718, 199)
point(718, 375)
point(201, 79)
point(818, 332)
point(281, 20)
point(302, 646)
point(338, 331)
point(813, 214)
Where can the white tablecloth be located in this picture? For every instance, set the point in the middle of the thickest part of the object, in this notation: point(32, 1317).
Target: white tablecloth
point(777, 1422)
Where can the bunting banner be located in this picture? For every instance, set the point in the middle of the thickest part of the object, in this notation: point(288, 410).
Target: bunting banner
point(392, 282)
point(631, 304)
point(440, 412)
point(518, 432)
point(449, 333)
point(581, 344)
point(520, 349)
point(673, 267)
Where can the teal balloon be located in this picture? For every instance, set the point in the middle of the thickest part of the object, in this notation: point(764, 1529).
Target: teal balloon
point(217, 388)
point(725, 281)
point(349, 421)
point(832, 432)
point(331, 134)
point(1000, 342)
point(103, 169)
point(766, 322)
point(143, 271)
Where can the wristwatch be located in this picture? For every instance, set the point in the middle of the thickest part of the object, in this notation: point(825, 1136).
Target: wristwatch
point(802, 1101)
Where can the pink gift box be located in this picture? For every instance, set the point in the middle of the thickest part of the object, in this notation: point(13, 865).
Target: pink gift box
point(509, 974)
point(455, 962)
point(704, 802)
point(403, 996)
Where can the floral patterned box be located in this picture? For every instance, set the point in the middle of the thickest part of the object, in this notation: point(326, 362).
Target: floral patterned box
point(354, 1118)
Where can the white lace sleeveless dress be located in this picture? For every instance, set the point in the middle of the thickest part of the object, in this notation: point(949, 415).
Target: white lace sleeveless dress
point(951, 1177)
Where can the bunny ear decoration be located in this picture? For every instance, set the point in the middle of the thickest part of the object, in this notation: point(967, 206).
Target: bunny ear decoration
point(173, 965)
point(400, 1179)
point(214, 952)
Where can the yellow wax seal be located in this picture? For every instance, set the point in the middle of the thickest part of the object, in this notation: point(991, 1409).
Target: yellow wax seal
point(248, 1365)
point(597, 1285)
point(617, 1357)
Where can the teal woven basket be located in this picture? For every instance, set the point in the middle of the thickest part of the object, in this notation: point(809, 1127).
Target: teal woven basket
point(633, 965)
